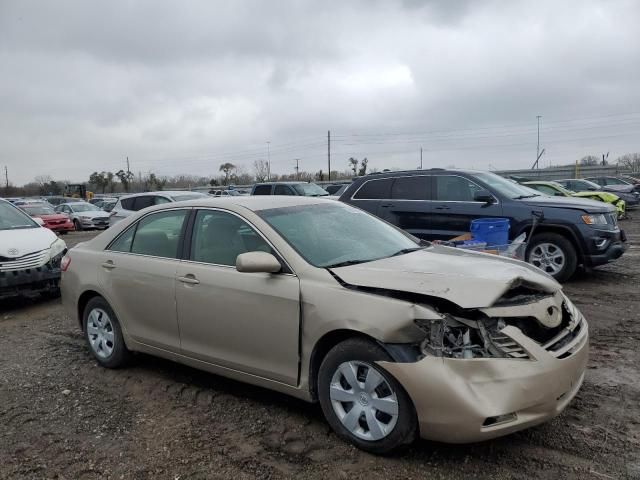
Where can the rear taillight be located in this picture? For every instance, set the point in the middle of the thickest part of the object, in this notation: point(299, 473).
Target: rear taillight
point(64, 264)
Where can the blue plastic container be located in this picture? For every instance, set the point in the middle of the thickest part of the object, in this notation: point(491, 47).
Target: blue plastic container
point(493, 231)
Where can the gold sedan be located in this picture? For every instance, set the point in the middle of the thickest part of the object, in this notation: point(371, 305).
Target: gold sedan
point(317, 299)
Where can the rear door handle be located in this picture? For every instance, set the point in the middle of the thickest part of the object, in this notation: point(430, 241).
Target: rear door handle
point(109, 265)
point(189, 279)
point(386, 204)
point(443, 208)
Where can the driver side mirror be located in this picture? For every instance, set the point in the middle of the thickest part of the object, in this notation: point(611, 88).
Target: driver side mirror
point(483, 196)
point(257, 262)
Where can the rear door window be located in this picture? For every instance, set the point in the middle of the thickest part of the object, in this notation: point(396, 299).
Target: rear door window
point(412, 188)
point(143, 201)
point(127, 203)
point(377, 189)
point(262, 190)
point(283, 190)
point(159, 234)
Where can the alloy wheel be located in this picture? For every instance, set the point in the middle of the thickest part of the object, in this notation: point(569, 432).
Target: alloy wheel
point(548, 257)
point(363, 401)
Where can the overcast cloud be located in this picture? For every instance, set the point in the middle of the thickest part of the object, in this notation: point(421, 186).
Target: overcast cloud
point(181, 87)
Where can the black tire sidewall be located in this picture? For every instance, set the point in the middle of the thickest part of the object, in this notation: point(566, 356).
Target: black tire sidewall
point(367, 351)
point(77, 225)
point(120, 354)
point(570, 254)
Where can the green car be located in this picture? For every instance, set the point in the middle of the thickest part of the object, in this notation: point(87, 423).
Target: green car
point(556, 190)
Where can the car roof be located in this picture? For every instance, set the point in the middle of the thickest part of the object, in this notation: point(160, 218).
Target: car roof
point(168, 193)
point(253, 203)
point(281, 183)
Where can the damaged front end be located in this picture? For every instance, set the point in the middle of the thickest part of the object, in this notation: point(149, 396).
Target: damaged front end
point(550, 321)
point(485, 372)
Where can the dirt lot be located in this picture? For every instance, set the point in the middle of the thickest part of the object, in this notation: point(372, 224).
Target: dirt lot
point(61, 416)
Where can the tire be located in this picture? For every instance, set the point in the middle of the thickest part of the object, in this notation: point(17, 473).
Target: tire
point(105, 341)
point(398, 431)
point(556, 248)
point(78, 225)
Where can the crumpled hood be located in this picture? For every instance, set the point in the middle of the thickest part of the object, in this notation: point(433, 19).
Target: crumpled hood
point(25, 240)
point(583, 204)
point(468, 279)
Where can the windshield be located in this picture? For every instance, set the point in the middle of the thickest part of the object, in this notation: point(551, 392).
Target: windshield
point(187, 196)
point(506, 187)
point(12, 218)
point(334, 234)
point(38, 210)
point(83, 207)
point(310, 190)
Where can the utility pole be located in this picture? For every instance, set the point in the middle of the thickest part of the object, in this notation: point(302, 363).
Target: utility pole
point(128, 169)
point(297, 167)
point(420, 158)
point(538, 145)
point(268, 161)
point(538, 152)
point(329, 152)
point(6, 178)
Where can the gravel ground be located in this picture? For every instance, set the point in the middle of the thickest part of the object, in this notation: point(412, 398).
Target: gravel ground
point(62, 416)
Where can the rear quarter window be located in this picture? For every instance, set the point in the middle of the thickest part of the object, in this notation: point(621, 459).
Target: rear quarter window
point(374, 189)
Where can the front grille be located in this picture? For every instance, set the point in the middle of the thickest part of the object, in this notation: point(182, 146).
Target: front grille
point(508, 346)
point(31, 260)
point(99, 220)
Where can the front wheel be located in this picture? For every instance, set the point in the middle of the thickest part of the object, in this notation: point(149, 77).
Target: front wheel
point(77, 225)
point(554, 254)
point(362, 402)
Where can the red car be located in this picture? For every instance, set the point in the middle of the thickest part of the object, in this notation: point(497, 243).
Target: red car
point(58, 222)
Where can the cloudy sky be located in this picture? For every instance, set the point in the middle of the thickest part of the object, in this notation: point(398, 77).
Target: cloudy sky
point(183, 86)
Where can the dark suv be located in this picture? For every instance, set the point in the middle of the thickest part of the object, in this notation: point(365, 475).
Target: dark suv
point(289, 188)
point(440, 204)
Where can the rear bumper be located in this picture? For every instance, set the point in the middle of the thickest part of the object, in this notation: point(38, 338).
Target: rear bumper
point(461, 401)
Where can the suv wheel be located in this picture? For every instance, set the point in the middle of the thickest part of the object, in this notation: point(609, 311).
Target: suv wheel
point(103, 334)
point(554, 254)
point(363, 403)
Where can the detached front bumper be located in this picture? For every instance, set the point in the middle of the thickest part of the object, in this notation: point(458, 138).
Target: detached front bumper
point(61, 227)
point(469, 400)
point(31, 280)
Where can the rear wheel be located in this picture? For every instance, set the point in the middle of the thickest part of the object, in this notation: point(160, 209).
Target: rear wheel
point(103, 334)
point(554, 254)
point(362, 402)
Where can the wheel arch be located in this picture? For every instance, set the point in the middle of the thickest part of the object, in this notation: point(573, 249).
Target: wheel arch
point(82, 303)
point(560, 230)
point(326, 343)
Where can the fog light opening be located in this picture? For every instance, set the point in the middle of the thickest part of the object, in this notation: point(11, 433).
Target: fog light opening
point(492, 421)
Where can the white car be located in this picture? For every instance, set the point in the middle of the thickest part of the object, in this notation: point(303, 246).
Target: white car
point(133, 203)
point(30, 254)
point(85, 215)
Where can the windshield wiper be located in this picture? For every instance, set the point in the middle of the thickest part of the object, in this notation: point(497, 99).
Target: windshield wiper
point(406, 250)
point(520, 197)
point(345, 263)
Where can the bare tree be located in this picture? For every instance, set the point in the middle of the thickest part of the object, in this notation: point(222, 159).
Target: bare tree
point(630, 161)
point(260, 170)
point(589, 160)
point(363, 167)
point(354, 165)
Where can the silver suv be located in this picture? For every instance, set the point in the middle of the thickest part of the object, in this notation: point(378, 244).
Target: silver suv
point(132, 203)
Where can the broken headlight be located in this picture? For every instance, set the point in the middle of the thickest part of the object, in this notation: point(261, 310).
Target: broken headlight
point(456, 337)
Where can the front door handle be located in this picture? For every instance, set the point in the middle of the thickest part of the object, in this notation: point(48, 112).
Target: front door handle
point(443, 208)
point(189, 279)
point(386, 204)
point(109, 265)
